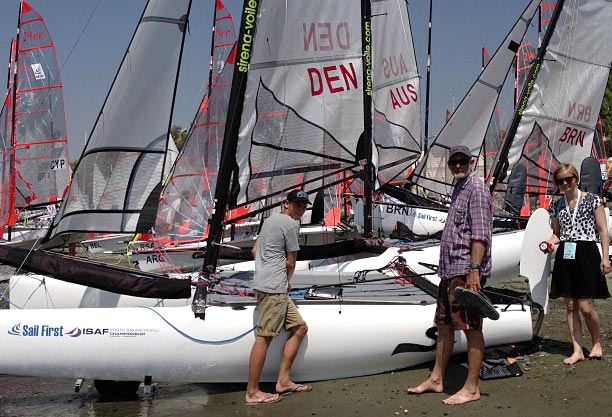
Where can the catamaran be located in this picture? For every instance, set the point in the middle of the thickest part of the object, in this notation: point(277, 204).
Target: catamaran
point(327, 96)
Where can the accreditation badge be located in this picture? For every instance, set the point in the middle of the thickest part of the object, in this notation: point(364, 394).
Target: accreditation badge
point(569, 250)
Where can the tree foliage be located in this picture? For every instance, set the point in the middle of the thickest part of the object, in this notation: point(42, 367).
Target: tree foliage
point(179, 135)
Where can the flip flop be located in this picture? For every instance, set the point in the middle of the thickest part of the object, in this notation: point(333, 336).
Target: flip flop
point(476, 302)
point(268, 399)
point(296, 389)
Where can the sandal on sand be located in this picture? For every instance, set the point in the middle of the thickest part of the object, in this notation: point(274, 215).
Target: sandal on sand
point(476, 302)
point(268, 399)
point(296, 389)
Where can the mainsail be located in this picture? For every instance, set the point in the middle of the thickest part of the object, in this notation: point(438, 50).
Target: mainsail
point(117, 183)
point(34, 154)
point(192, 183)
point(469, 123)
point(301, 107)
point(557, 114)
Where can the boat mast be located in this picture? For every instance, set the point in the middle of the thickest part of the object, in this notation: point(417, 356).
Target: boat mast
point(502, 159)
point(426, 140)
point(368, 173)
point(228, 153)
point(14, 60)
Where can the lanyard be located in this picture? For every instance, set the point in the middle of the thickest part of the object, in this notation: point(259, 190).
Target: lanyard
point(572, 216)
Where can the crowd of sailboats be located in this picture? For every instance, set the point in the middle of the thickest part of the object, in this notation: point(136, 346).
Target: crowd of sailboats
point(283, 112)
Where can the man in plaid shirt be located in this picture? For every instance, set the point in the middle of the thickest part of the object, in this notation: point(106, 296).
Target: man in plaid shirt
point(465, 261)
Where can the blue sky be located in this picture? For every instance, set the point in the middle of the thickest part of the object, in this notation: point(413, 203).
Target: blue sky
point(460, 27)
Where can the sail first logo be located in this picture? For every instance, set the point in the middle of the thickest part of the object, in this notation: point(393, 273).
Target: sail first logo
point(39, 72)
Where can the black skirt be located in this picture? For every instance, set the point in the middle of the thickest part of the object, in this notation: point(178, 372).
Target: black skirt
point(580, 277)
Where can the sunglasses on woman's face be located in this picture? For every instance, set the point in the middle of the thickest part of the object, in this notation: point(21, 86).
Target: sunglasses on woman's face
point(564, 180)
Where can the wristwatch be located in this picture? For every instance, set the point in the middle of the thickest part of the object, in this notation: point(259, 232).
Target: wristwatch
point(474, 265)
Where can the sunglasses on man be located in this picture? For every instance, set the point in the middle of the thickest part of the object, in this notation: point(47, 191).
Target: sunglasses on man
point(460, 161)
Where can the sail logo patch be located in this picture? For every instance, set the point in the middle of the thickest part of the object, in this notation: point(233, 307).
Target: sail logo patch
point(36, 330)
point(39, 72)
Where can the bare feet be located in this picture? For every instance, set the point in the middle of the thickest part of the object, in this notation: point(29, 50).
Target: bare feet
point(427, 386)
point(596, 352)
point(575, 358)
point(462, 396)
point(261, 398)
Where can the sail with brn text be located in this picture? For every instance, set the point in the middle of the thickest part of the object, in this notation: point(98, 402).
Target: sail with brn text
point(34, 161)
point(556, 117)
point(469, 123)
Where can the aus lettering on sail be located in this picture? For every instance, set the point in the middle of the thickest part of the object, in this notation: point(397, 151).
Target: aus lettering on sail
point(581, 113)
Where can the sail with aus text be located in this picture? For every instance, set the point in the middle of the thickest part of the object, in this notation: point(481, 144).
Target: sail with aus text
point(34, 154)
point(469, 123)
point(303, 116)
point(556, 117)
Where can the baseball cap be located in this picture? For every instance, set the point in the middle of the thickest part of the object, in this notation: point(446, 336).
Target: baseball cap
point(297, 195)
point(459, 149)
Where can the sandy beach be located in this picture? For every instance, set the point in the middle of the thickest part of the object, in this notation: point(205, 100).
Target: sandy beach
point(547, 387)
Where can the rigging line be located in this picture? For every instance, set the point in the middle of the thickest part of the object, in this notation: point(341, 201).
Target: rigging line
point(78, 39)
point(195, 339)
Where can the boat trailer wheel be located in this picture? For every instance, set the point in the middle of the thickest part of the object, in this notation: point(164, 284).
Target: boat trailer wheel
point(116, 389)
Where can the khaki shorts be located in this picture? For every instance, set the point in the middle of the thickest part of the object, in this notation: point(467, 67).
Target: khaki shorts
point(276, 311)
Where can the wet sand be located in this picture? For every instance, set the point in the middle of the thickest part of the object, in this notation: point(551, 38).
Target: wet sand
point(547, 388)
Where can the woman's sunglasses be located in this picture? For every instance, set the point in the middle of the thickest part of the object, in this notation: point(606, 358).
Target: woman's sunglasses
point(564, 180)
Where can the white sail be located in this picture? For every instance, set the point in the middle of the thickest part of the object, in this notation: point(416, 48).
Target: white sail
point(468, 124)
point(131, 132)
point(559, 114)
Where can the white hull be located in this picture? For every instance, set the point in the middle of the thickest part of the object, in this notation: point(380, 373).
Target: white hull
point(170, 345)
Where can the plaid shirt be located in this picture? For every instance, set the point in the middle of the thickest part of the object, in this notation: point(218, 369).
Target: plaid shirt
point(470, 217)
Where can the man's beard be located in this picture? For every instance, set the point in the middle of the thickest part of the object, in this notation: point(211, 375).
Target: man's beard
point(460, 175)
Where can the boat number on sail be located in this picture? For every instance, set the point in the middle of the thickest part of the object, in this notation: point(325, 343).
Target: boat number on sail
point(44, 330)
point(249, 18)
point(581, 113)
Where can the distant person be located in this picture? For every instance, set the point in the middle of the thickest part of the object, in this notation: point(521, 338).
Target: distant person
point(465, 263)
point(170, 214)
point(607, 188)
point(578, 222)
point(275, 254)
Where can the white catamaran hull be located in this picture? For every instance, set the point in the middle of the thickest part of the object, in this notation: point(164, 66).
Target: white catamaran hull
point(170, 345)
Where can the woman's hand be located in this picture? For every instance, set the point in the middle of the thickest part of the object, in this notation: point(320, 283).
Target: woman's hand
point(605, 266)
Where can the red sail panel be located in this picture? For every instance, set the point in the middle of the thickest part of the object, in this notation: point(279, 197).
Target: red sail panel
point(186, 202)
point(39, 137)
